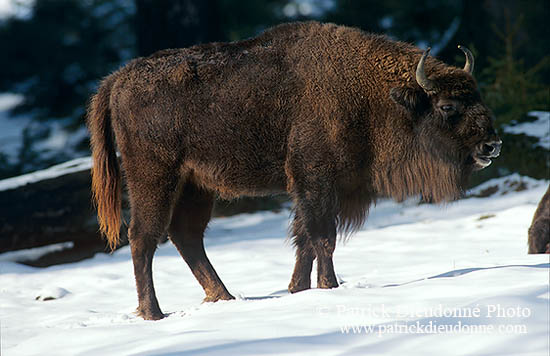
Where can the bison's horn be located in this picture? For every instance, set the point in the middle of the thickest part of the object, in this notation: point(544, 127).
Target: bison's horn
point(421, 78)
point(469, 66)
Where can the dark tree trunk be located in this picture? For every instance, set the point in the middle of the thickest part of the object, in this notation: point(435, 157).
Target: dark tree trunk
point(162, 24)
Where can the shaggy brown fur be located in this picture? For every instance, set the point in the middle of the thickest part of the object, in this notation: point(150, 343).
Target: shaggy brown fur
point(539, 231)
point(331, 115)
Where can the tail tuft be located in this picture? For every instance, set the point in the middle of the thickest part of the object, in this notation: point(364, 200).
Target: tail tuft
point(106, 178)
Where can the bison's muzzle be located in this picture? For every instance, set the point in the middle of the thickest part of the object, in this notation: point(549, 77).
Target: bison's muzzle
point(484, 152)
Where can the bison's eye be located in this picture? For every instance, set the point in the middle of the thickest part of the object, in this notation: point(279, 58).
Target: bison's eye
point(448, 108)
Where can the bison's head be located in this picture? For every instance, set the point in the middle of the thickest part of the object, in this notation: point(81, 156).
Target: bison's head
point(449, 117)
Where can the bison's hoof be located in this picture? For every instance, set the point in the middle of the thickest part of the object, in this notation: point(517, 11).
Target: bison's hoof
point(215, 298)
point(295, 288)
point(150, 315)
point(327, 283)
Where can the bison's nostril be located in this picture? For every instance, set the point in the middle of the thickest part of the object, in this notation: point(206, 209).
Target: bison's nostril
point(492, 148)
point(488, 148)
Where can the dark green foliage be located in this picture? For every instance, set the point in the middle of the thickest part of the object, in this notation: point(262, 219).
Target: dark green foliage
point(510, 88)
point(6, 168)
point(161, 24)
point(56, 57)
point(411, 21)
point(246, 18)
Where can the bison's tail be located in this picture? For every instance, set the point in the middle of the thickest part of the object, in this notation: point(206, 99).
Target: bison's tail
point(106, 180)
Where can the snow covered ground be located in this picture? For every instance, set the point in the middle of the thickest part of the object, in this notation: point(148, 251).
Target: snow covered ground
point(417, 280)
point(539, 128)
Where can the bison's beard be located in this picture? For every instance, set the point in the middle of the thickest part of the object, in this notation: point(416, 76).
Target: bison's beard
point(433, 168)
point(437, 181)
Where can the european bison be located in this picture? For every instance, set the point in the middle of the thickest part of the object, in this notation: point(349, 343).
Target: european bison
point(332, 115)
point(539, 232)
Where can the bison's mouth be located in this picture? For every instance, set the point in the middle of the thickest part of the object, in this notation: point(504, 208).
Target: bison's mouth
point(483, 154)
point(482, 161)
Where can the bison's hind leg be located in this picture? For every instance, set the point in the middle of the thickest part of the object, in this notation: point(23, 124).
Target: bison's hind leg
point(151, 189)
point(301, 277)
point(190, 217)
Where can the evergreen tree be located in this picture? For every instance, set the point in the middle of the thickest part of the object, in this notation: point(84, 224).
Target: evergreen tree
point(55, 57)
point(161, 24)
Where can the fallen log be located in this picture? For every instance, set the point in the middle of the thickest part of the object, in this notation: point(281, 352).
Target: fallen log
point(54, 206)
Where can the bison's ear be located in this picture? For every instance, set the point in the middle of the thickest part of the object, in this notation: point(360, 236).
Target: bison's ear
point(412, 99)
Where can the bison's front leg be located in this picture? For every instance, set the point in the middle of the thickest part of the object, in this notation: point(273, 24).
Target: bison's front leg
point(315, 237)
point(301, 277)
point(311, 174)
point(324, 248)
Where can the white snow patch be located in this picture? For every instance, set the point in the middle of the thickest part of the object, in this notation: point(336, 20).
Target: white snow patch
point(60, 140)
point(539, 128)
point(9, 100)
point(5, 8)
point(11, 128)
point(17, 8)
point(34, 253)
point(507, 184)
point(308, 8)
point(51, 293)
point(75, 165)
